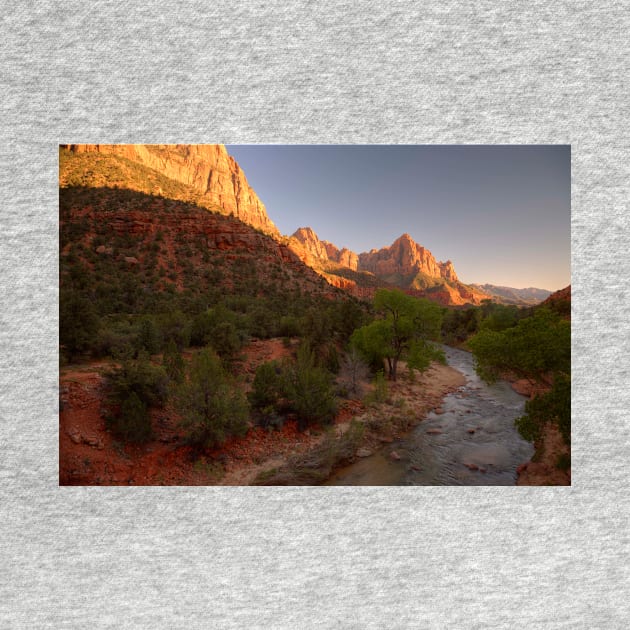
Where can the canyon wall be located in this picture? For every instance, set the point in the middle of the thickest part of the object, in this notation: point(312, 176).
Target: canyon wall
point(205, 167)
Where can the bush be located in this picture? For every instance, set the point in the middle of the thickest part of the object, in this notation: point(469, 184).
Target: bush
point(212, 408)
point(268, 386)
point(148, 336)
point(78, 323)
point(133, 389)
point(380, 393)
point(133, 424)
point(353, 372)
point(554, 406)
point(310, 391)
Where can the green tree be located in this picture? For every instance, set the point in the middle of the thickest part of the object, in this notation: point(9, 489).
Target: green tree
point(133, 424)
point(268, 385)
point(310, 391)
point(405, 330)
point(534, 348)
point(499, 317)
point(538, 348)
point(216, 327)
point(212, 408)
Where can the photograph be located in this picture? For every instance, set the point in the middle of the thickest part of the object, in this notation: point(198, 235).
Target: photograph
point(308, 315)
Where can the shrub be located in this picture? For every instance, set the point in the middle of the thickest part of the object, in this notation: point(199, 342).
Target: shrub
point(148, 336)
point(309, 389)
point(133, 389)
point(380, 393)
point(78, 322)
point(554, 406)
point(268, 386)
point(212, 408)
point(133, 424)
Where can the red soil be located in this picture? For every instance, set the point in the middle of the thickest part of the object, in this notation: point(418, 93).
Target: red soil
point(90, 455)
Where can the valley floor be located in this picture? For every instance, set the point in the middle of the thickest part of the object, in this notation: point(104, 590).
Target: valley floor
point(90, 455)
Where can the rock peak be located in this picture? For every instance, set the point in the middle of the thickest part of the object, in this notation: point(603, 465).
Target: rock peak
point(405, 257)
point(305, 242)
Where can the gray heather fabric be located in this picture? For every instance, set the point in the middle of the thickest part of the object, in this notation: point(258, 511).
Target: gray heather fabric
point(331, 72)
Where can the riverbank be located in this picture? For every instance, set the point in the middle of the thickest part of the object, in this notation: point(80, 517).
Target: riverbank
point(368, 435)
point(90, 455)
point(551, 463)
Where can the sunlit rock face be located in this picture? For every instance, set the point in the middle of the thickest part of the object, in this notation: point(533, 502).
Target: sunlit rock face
point(206, 167)
point(405, 257)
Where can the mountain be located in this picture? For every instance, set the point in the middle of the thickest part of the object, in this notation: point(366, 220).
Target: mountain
point(127, 252)
point(404, 264)
point(147, 243)
point(307, 244)
point(404, 257)
point(207, 177)
point(206, 169)
point(560, 301)
point(508, 295)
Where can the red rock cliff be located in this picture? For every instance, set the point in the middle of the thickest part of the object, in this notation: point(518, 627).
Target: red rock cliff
point(206, 167)
point(405, 257)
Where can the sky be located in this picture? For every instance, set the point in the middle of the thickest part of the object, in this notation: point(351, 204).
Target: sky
point(500, 213)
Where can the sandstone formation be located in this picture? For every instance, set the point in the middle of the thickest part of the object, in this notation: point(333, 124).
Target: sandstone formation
point(404, 264)
point(344, 256)
point(307, 245)
point(405, 257)
point(205, 167)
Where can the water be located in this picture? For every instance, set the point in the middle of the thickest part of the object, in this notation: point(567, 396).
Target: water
point(474, 442)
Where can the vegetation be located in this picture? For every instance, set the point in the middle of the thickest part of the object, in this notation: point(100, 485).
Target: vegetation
point(406, 328)
point(301, 387)
point(537, 348)
point(534, 348)
point(134, 388)
point(309, 390)
point(316, 465)
point(125, 290)
point(553, 406)
point(212, 408)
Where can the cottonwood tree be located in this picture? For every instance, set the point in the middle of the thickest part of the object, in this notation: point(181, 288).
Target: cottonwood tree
point(405, 329)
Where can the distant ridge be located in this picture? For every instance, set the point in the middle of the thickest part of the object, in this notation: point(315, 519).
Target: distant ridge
point(509, 295)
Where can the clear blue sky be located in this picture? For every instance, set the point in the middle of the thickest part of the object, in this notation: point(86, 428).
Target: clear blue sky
point(502, 214)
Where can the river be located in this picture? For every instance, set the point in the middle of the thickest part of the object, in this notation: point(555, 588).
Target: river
point(473, 442)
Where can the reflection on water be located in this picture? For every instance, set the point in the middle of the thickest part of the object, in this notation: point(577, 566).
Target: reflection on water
point(474, 442)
